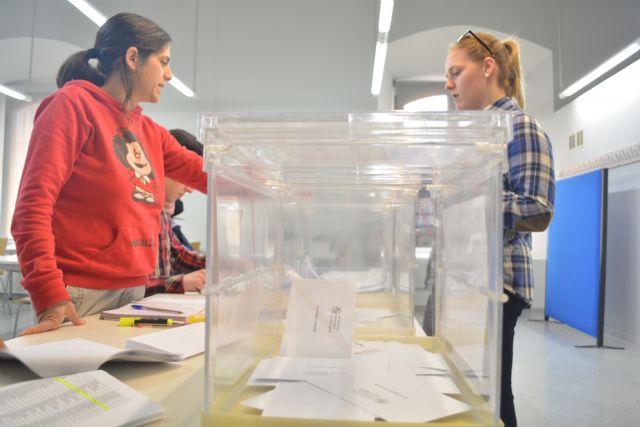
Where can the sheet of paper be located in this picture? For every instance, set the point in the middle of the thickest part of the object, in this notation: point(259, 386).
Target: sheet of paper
point(303, 400)
point(185, 340)
point(76, 355)
point(391, 392)
point(320, 319)
point(93, 399)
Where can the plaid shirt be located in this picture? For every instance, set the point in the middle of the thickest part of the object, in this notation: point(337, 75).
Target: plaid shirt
point(174, 260)
point(529, 192)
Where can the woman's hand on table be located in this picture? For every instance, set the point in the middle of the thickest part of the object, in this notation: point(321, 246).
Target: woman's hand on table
point(53, 317)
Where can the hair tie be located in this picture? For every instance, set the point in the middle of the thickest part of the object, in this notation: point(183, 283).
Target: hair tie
point(92, 53)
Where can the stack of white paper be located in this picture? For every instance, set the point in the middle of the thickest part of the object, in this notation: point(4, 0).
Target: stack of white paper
point(359, 389)
point(186, 340)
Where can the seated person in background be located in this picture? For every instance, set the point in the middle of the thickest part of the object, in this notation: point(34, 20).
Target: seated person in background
point(178, 209)
point(178, 269)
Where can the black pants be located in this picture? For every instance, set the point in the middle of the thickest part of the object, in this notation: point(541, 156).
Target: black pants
point(511, 312)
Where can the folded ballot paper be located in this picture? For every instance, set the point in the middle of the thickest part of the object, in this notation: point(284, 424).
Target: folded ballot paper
point(354, 389)
point(383, 379)
point(92, 398)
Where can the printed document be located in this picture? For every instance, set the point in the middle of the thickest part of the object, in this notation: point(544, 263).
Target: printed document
point(93, 399)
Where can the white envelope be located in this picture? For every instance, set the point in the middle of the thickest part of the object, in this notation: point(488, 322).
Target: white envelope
point(320, 319)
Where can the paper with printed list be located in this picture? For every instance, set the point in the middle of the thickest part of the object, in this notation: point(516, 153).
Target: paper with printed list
point(320, 319)
point(92, 398)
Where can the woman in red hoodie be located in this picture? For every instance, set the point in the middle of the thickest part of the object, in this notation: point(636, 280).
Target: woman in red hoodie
point(87, 214)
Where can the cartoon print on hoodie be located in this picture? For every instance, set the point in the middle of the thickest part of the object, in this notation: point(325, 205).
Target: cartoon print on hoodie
point(132, 155)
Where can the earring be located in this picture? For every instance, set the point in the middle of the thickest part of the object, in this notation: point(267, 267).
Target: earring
point(486, 74)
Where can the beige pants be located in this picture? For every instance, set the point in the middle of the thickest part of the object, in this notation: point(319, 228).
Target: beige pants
point(91, 301)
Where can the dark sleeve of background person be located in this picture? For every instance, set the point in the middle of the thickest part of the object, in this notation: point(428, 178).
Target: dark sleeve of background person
point(179, 208)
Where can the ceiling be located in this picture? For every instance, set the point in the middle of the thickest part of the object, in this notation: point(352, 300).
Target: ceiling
point(281, 54)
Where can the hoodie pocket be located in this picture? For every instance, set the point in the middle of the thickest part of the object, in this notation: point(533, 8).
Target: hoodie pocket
point(133, 252)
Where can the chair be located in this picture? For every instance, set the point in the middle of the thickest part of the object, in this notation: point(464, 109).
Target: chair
point(22, 302)
point(195, 246)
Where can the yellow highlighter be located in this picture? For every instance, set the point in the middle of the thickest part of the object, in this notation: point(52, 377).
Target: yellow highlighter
point(138, 321)
point(195, 318)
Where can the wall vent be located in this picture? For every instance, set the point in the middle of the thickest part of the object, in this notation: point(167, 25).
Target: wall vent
point(579, 139)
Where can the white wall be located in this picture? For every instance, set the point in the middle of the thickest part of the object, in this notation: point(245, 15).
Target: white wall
point(608, 114)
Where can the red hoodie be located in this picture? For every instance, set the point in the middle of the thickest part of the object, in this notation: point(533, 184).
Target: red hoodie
point(88, 207)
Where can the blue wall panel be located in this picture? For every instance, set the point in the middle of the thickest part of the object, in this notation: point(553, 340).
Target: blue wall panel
point(574, 253)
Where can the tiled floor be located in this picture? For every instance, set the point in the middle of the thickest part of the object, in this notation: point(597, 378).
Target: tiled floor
point(555, 383)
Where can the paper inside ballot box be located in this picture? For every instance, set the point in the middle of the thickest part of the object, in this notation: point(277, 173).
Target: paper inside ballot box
point(320, 318)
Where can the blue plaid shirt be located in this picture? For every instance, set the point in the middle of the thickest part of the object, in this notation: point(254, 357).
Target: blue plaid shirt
point(528, 196)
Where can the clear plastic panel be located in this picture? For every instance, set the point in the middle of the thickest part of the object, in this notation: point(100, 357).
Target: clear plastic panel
point(338, 196)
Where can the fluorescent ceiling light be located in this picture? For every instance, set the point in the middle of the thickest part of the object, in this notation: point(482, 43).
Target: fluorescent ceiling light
point(378, 68)
point(182, 88)
point(91, 13)
point(603, 68)
point(384, 24)
point(386, 12)
point(14, 94)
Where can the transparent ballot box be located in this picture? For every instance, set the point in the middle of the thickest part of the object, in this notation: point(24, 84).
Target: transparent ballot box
point(316, 223)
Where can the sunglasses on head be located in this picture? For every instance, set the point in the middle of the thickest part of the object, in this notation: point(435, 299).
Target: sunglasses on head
point(472, 34)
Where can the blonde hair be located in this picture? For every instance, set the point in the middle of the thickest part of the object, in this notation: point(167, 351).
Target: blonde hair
point(506, 53)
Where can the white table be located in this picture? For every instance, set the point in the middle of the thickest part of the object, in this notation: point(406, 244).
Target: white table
point(177, 387)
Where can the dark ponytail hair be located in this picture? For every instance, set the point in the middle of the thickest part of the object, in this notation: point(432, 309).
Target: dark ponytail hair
point(118, 34)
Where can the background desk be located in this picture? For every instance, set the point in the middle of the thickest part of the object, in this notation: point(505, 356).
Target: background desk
point(177, 387)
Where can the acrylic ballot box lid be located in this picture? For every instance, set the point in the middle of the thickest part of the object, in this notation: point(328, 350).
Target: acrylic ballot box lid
point(319, 198)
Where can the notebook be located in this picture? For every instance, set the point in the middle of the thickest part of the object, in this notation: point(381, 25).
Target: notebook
point(77, 355)
point(181, 307)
